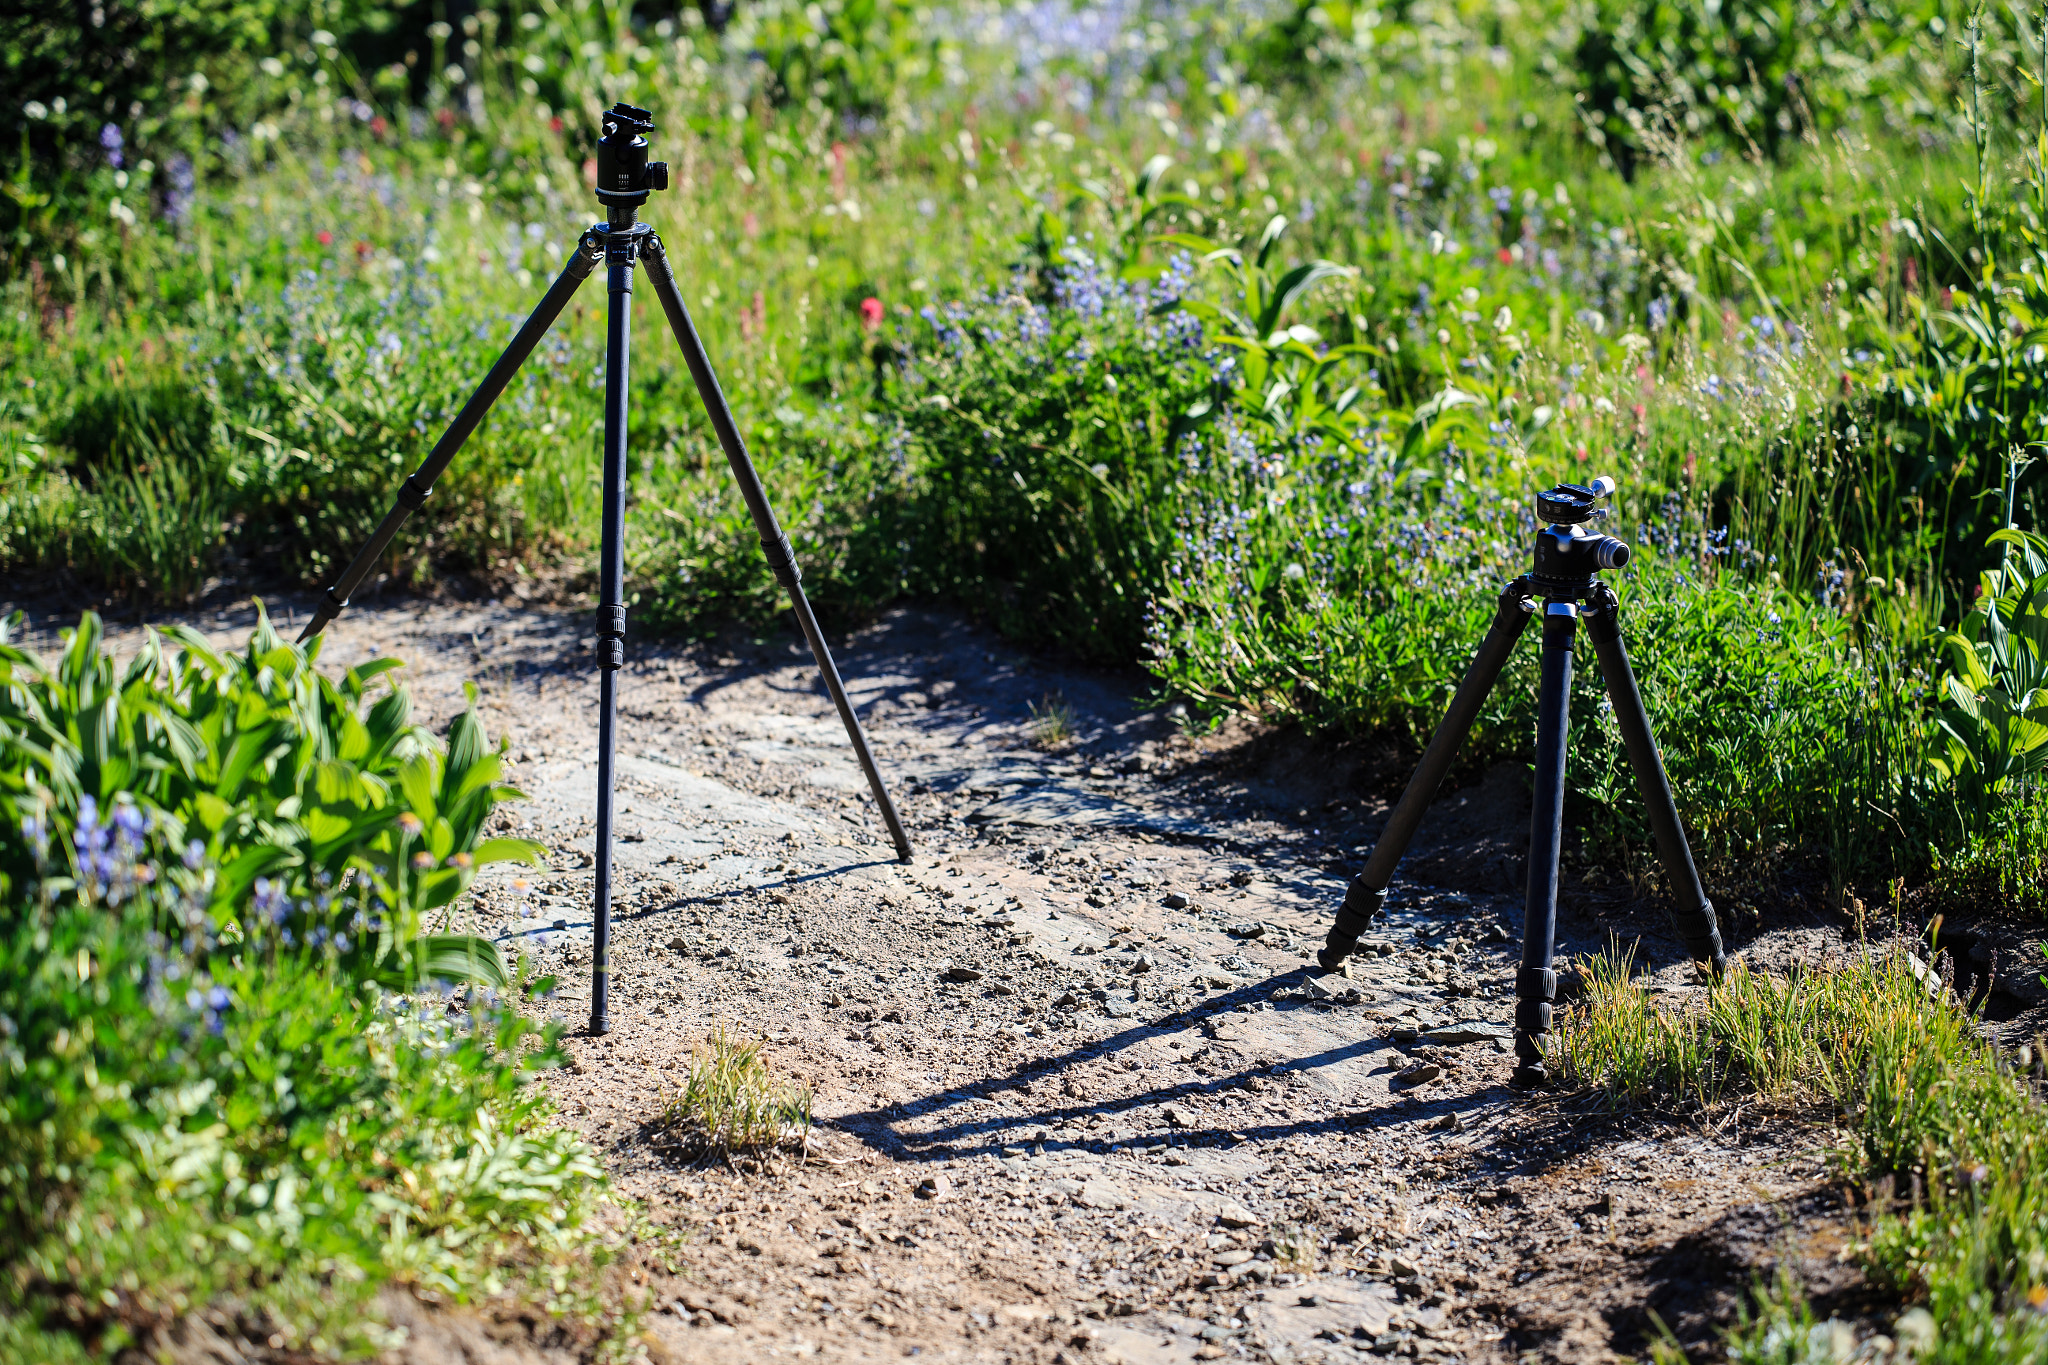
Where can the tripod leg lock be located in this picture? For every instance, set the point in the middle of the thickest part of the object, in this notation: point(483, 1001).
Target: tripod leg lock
point(412, 494)
point(611, 637)
point(781, 558)
point(1700, 932)
point(1361, 906)
point(1535, 997)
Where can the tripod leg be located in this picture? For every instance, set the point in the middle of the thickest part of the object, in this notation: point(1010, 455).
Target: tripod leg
point(1368, 889)
point(611, 605)
point(413, 492)
point(1693, 914)
point(1536, 983)
point(774, 544)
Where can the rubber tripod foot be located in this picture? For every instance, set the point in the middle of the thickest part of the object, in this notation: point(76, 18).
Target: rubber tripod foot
point(1530, 1077)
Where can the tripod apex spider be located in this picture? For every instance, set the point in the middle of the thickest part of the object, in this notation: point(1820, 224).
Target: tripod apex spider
point(1561, 585)
point(625, 178)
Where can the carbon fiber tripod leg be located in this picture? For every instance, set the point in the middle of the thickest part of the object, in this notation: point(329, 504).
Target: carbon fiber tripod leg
point(1536, 983)
point(1692, 914)
point(774, 544)
point(413, 492)
point(1369, 888)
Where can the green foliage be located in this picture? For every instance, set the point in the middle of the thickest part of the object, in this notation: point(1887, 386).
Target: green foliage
point(1042, 438)
point(216, 865)
point(1994, 731)
point(1412, 267)
point(855, 55)
point(347, 828)
point(1759, 73)
point(1935, 1116)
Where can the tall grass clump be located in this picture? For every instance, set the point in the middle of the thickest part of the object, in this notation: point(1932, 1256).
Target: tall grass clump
point(731, 1103)
point(1947, 1135)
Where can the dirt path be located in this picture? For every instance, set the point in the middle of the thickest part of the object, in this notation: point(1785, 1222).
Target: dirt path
point(1079, 1098)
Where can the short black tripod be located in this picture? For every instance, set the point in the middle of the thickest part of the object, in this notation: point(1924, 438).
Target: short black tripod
point(625, 177)
point(1567, 557)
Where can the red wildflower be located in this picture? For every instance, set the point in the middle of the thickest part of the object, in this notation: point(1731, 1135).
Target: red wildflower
point(870, 313)
point(324, 237)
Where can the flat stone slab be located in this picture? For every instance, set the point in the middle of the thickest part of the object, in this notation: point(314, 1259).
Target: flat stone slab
point(1472, 1031)
point(1051, 807)
point(1338, 1307)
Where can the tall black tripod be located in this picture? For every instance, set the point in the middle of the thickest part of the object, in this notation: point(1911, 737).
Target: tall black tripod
point(625, 177)
point(1567, 557)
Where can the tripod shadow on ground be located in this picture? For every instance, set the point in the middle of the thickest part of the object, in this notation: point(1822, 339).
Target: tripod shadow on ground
point(903, 1129)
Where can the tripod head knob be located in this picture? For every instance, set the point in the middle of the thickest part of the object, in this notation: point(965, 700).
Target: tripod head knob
point(625, 176)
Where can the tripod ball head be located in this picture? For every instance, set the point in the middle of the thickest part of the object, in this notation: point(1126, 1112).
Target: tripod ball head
point(625, 176)
point(1567, 554)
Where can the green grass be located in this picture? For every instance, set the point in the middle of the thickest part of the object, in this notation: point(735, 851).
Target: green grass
point(732, 1104)
point(1945, 1132)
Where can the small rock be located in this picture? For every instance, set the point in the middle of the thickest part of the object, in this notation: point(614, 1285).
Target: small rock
point(1067, 1000)
point(962, 974)
point(1145, 963)
point(935, 1187)
point(678, 944)
point(834, 1000)
point(1118, 1009)
point(1402, 1269)
point(1445, 1123)
point(1420, 1074)
point(1000, 988)
point(1237, 1216)
point(1227, 1259)
point(1404, 1034)
point(1248, 929)
point(1179, 1116)
point(1175, 901)
point(1329, 988)
point(1238, 965)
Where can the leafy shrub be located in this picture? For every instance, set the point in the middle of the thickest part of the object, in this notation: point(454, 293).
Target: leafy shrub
point(855, 56)
point(1755, 72)
point(693, 552)
point(1347, 590)
point(1042, 425)
point(214, 868)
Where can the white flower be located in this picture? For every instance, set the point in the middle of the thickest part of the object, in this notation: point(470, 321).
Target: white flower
point(36, 109)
